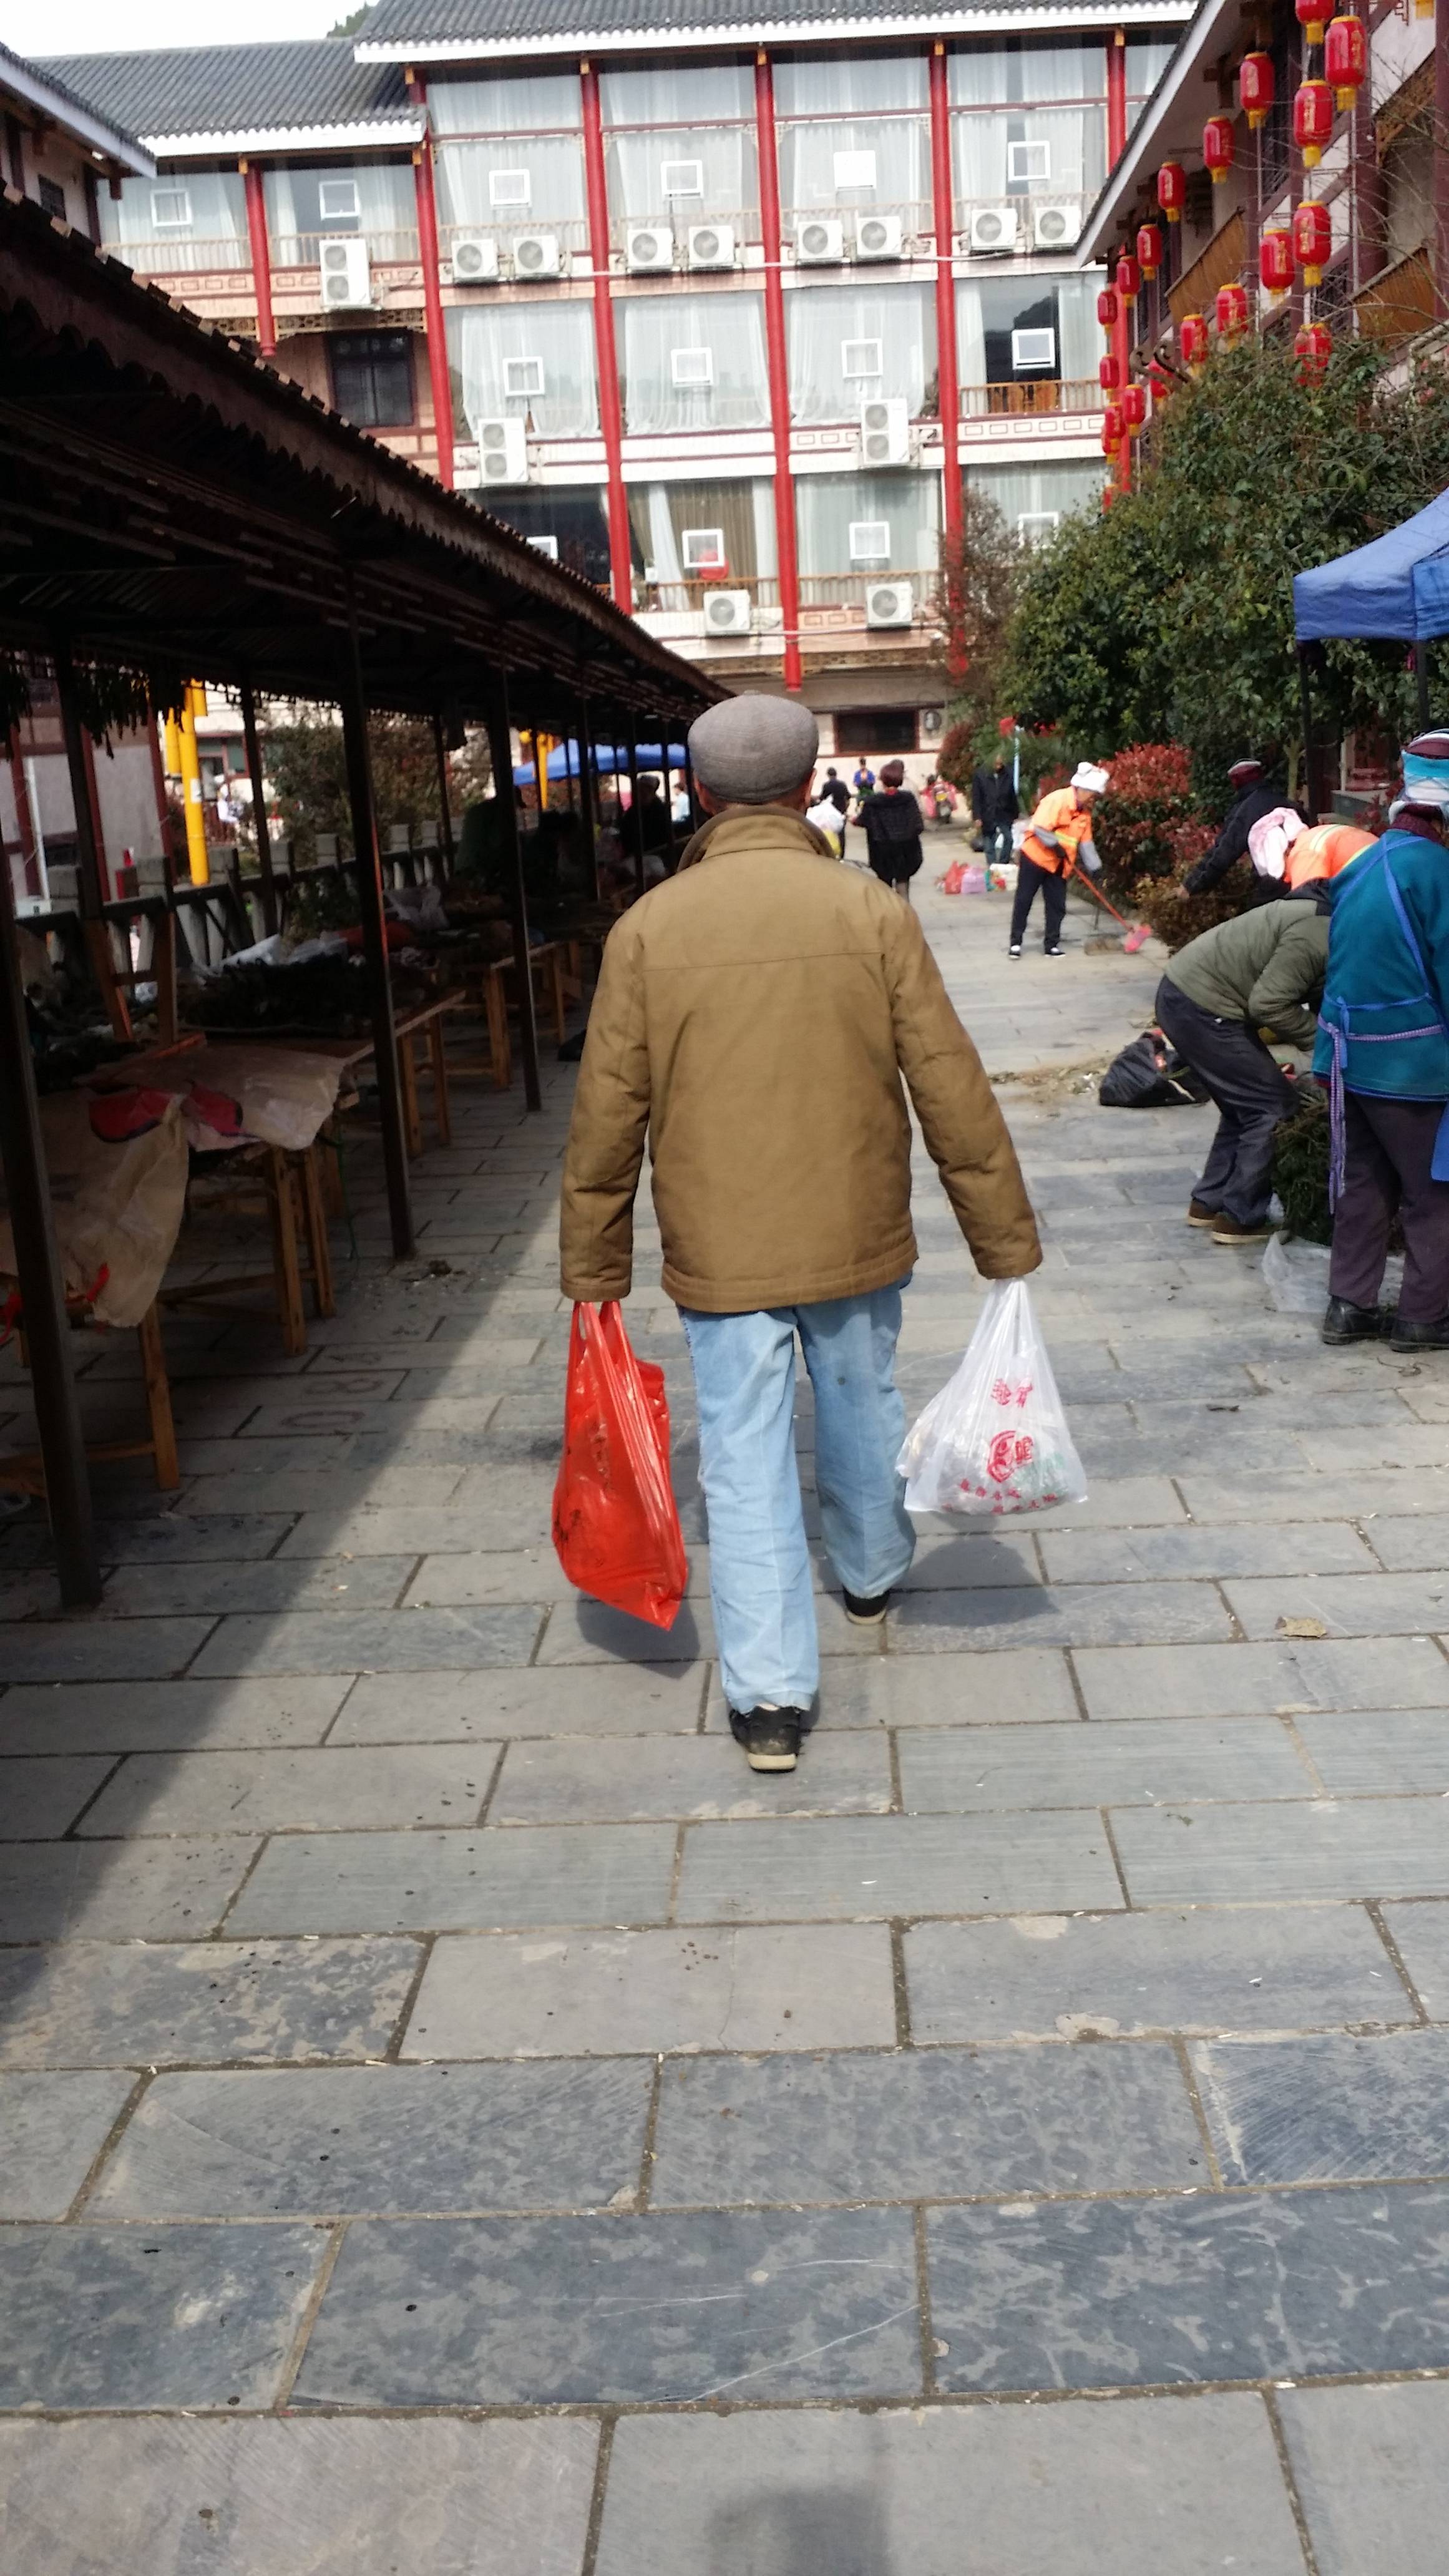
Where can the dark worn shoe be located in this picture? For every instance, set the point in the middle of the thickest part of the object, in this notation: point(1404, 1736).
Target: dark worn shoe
point(1345, 1323)
point(1197, 1214)
point(866, 1611)
point(1054, 948)
point(1015, 949)
point(1231, 1229)
point(770, 1736)
point(1419, 1337)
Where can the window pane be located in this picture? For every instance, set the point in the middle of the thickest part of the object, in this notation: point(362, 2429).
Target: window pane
point(142, 219)
point(677, 94)
point(485, 345)
point(551, 100)
point(828, 505)
point(572, 515)
point(377, 199)
point(372, 377)
point(860, 88)
point(654, 329)
point(1021, 493)
point(641, 167)
point(896, 146)
point(824, 326)
point(999, 75)
point(665, 517)
point(553, 168)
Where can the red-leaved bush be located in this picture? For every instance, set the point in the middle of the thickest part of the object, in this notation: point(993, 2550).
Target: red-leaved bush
point(1141, 824)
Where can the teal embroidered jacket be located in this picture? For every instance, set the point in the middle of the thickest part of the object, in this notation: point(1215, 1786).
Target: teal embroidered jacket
point(1374, 993)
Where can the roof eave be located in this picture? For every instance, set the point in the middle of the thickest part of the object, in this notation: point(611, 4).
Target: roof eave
point(348, 134)
point(1037, 16)
point(1145, 145)
point(30, 86)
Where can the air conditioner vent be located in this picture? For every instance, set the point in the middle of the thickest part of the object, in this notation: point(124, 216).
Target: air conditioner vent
point(878, 237)
point(1055, 227)
point(648, 247)
point(344, 273)
point(889, 603)
point(711, 246)
point(475, 259)
point(727, 612)
point(536, 255)
point(502, 452)
point(993, 229)
point(820, 242)
point(885, 430)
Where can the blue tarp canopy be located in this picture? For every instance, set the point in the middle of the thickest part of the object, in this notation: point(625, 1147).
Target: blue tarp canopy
point(564, 762)
point(1397, 587)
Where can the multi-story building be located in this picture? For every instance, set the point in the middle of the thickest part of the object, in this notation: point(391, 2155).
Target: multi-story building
point(723, 323)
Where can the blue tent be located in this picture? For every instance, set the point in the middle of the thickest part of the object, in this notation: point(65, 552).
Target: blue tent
point(564, 762)
point(1398, 587)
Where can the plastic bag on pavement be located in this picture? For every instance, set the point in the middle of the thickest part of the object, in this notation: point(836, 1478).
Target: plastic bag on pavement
point(615, 1522)
point(995, 1440)
point(1295, 1274)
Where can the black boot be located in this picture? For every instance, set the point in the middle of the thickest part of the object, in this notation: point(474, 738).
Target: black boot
point(1345, 1323)
point(1419, 1337)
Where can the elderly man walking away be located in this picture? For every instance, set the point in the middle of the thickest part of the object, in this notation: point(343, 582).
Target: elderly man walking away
point(995, 805)
point(754, 1019)
point(1059, 836)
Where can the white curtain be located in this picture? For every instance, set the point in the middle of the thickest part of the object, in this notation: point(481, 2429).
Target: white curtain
point(828, 326)
point(994, 76)
point(970, 334)
point(730, 327)
point(481, 340)
point(725, 155)
point(376, 199)
point(553, 168)
point(213, 234)
point(1147, 60)
point(1080, 343)
point(678, 94)
point(548, 101)
point(1070, 159)
point(897, 146)
point(868, 85)
point(828, 505)
point(659, 514)
point(1033, 495)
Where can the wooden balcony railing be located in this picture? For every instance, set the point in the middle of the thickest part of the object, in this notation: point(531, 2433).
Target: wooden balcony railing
point(1035, 395)
point(184, 257)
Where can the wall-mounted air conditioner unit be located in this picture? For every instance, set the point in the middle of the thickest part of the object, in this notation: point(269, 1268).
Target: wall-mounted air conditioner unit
point(1033, 349)
point(691, 367)
point(702, 549)
point(870, 541)
point(820, 242)
point(536, 255)
point(475, 260)
point(345, 274)
point(711, 246)
point(727, 612)
point(648, 248)
point(522, 379)
point(993, 228)
point(889, 603)
point(545, 546)
point(878, 237)
point(1055, 227)
point(681, 178)
point(1036, 527)
point(509, 188)
point(502, 452)
point(885, 430)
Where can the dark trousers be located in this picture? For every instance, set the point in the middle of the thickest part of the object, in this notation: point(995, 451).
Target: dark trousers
point(995, 844)
point(1251, 1096)
point(1390, 1148)
point(1052, 887)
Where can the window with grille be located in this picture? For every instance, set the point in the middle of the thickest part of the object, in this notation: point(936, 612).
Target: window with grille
point(1028, 165)
point(522, 378)
point(52, 197)
point(860, 358)
point(169, 206)
point(372, 377)
point(681, 178)
point(870, 541)
point(691, 366)
point(337, 201)
point(509, 188)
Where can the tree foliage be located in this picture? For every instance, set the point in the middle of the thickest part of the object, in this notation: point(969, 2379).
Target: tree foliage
point(981, 576)
point(306, 765)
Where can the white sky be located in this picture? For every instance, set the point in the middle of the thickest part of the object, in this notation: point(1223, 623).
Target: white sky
point(103, 27)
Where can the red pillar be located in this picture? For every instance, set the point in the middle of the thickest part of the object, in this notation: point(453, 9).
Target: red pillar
point(261, 258)
point(1116, 146)
point(948, 375)
point(435, 327)
point(611, 410)
point(779, 366)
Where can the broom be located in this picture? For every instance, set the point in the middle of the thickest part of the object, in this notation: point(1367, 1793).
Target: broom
point(1136, 937)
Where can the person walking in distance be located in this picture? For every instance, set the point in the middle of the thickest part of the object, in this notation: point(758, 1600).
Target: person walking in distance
point(1059, 838)
point(892, 821)
point(995, 805)
point(760, 1020)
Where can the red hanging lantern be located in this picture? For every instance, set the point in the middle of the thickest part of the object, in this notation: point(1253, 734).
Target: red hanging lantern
point(1107, 308)
point(1114, 429)
point(1312, 120)
point(1232, 312)
point(1275, 260)
point(1134, 408)
point(1192, 341)
point(1172, 190)
point(1159, 382)
point(1313, 348)
point(1217, 145)
point(1312, 239)
point(1345, 59)
point(1256, 87)
point(1129, 278)
point(1149, 249)
point(1109, 374)
point(1312, 18)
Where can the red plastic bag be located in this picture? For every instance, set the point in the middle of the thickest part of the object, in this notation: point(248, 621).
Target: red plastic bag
point(615, 1524)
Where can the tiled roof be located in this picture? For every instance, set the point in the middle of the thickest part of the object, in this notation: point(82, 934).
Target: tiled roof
point(240, 89)
point(66, 92)
point(476, 25)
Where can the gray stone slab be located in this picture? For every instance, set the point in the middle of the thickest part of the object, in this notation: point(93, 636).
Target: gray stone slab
point(41, 1795)
point(1411, 1545)
point(585, 1780)
point(1369, 2465)
point(1420, 1933)
point(458, 1881)
point(1277, 1679)
point(1020, 1686)
point(1349, 1605)
point(91, 2003)
point(969, 2491)
point(189, 1538)
point(969, 1770)
point(335, 2141)
point(124, 2318)
point(262, 2496)
point(363, 1641)
point(52, 2128)
point(1141, 1556)
point(1338, 2108)
point(943, 2126)
point(324, 1583)
point(417, 1529)
point(615, 1993)
point(100, 1649)
point(247, 1479)
point(163, 1717)
point(1179, 1855)
point(1049, 1976)
point(1379, 1749)
point(663, 2308)
point(1079, 1614)
point(323, 1790)
point(989, 1559)
point(580, 1631)
point(1168, 2293)
point(853, 1867)
point(477, 1707)
point(158, 1891)
point(490, 1574)
point(1398, 1444)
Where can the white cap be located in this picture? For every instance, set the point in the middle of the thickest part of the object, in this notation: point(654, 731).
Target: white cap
point(1423, 796)
point(1092, 782)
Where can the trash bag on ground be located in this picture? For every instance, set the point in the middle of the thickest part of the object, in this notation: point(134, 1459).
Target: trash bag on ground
point(615, 1522)
point(995, 1440)
point(1149, 1074)
point(1295, 1274)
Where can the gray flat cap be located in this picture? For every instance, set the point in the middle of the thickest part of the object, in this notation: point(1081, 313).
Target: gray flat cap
point(751, 749)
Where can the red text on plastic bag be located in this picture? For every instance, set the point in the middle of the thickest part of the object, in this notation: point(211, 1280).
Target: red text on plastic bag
point(615, 1525)
point(995, 1440)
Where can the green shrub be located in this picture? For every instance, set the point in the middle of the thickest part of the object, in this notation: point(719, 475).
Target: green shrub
point(1300, 1168)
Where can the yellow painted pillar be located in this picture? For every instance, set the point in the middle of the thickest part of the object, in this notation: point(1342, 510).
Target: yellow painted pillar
point(543, 744)
point(194, 705)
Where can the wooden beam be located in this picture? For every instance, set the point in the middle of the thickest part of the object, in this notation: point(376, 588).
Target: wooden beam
point(259, 805)
point(352, 699)
point(500, 746)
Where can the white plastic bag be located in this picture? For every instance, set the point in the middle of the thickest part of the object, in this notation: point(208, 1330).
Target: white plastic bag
point(995, 1440)
point(1295, 1274)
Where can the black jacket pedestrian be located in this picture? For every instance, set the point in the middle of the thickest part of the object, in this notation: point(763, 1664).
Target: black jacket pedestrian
point(1232, 841)
point(994, 800)
point(891, 820)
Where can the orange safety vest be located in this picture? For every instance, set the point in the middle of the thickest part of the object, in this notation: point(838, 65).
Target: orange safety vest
point(1059, 813)
point(1324, 850)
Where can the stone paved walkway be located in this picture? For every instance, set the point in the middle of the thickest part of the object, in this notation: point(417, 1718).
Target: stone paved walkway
point(456, 2121)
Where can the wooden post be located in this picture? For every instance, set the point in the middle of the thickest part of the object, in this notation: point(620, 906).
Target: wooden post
point(587, 792)
point(501, 751)
point(636, 820)
point(42, 1286)
point(445, 810)
point(95, 930)
point(352, 698)
point(259, 806)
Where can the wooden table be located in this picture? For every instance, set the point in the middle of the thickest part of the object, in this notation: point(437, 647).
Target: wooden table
point(22, 1470)
point(488, 985)
point(426, 1023)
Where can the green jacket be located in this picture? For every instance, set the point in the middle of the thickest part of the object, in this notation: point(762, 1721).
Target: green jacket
point(1265, 968)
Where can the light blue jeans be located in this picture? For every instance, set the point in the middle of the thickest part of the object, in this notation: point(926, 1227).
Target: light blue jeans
point(744, 1376)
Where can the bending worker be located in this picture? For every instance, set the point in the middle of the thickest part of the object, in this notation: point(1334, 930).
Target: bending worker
point(1060, 835)
point(1263, 969)
point(1257, 787)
